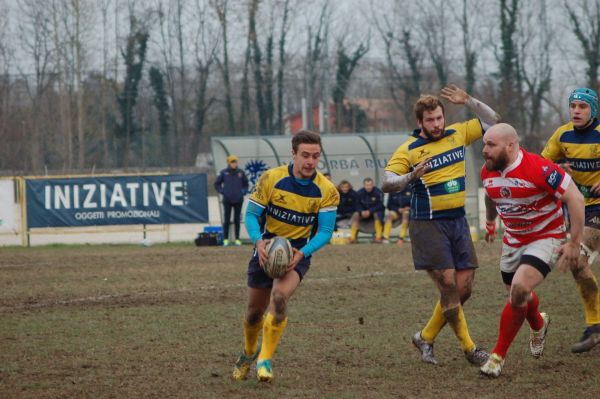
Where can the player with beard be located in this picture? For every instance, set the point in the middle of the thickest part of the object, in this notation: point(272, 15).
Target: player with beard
point(576, 144)
point(432, 162)
point(526, 190)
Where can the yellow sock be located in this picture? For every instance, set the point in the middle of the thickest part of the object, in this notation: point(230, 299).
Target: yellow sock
point(378, 228)
point(588, 290)
point(387, 229)
point(456, 318)
point(434, 325)
point(251, 337)
point(354, 231)
point(403, 229)
point(271, 334)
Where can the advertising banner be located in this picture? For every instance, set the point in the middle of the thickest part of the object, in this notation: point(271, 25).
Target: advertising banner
point(115, 200)
point(8, 207)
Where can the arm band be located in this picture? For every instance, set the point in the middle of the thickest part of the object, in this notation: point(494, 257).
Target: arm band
point(394, 183)
point(484, 112)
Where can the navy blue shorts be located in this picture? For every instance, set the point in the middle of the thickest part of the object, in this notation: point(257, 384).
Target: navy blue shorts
point(592, 216)
point(442, 244)
point(257, 278)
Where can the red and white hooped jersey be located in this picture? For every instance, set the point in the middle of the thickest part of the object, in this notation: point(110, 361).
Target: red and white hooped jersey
point(527, 196)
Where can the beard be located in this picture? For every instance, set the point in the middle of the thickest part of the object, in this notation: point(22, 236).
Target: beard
point(430, 136)
point(498, 164)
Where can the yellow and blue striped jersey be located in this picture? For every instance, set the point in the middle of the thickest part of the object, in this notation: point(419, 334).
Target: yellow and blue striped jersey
point(581, 149)
point(291, 207)
point(440, 192)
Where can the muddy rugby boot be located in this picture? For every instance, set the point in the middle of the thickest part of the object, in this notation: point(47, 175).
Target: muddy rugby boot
point(424, 347)
point(537, 339)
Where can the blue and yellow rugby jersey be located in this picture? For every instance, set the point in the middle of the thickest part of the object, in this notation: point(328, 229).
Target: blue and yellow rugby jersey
point(440, 193)
point(581, 149)
point(291, 209)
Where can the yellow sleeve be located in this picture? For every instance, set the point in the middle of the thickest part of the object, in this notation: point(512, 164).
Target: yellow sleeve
point(552, 150)
point(399, 162)
point(262, 190)
point(331, 199)
point(471, 130)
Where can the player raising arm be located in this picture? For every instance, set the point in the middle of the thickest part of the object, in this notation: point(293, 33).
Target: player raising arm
point(432, 160)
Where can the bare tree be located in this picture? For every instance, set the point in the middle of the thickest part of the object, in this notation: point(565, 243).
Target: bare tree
point(35, 39)
point(206, 46)
point(282, 63)
point(469, 17)
point(404, 59)
point(7, 151)
point(221, 8)
point(510, 79)
point(535, 69)
point(346, 64)
point(315, 66)
point(104, 8)
point(586, 27)
point(435, 38)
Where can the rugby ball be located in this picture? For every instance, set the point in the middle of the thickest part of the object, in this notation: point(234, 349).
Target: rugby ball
point(279, 253)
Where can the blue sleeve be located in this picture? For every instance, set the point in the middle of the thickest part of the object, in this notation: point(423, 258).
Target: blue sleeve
point(253, 214)
point(326, 222)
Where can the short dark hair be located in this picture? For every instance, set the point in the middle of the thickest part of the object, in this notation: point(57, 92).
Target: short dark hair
point(367, 180)
point(343, 182)
point(426, 102)
point(305, 137)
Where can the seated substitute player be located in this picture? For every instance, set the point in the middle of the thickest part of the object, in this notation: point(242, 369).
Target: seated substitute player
point(370, 209)
point(398, 205)
point(298, 202)
point(348, 207)
point(576, 143)
point(526, 191)
point(432, 160)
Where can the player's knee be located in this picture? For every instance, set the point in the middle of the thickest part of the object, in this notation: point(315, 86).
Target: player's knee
point(465, 294)
point(582, 269)
point(279, 301)
point(519, 295)
point(254, 316)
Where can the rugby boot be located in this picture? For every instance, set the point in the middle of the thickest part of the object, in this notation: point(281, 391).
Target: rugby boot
point(589, 339)
point(537, 339)
point(242, 366)
point(264, 370)
point(424, 347)
point(477, 356)
point(493, 366)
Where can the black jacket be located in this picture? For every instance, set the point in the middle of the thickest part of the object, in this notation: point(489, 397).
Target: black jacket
point(372, 202)
point(232, 184)
point(399, 200)
point(348, 204)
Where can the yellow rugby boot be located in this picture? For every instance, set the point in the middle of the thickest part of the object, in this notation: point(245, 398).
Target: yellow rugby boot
point(264, 371)
point(242, 366)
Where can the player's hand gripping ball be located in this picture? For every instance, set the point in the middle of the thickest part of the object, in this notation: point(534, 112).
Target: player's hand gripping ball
point(279, 253)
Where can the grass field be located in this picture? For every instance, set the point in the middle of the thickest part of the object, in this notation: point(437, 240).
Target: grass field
point(165, 321)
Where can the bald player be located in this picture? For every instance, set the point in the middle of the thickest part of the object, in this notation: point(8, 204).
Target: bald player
point(527, 192)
